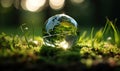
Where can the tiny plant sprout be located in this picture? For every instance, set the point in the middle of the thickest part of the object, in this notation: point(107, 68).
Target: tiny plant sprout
point(60, 31)
point(24, 28)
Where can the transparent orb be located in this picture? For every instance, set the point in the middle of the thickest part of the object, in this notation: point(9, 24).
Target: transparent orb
point(60, 31)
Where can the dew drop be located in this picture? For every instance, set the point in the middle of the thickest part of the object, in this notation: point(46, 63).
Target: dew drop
point(60, 31)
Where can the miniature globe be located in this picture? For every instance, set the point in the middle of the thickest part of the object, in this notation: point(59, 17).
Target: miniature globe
point(60, 31)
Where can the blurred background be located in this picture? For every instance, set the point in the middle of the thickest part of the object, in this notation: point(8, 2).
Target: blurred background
point(34, 13)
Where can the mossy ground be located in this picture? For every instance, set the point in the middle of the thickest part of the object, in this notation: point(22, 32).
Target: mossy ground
point(91, 53)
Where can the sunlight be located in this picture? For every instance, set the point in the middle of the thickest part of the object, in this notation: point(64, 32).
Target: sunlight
point(56, 4)
point(33, 5)
point(6, 3)
point(64, 45)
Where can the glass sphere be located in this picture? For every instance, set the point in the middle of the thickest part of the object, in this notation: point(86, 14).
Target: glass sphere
point(60, 31)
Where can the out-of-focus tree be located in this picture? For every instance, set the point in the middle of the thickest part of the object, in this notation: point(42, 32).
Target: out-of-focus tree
point(86, 12)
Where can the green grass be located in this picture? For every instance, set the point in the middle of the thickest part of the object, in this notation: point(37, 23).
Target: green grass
point(100, 47)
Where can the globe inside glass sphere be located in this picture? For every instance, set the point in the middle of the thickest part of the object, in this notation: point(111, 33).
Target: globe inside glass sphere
point(60, 31)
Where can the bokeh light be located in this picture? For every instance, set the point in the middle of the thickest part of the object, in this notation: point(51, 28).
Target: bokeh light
point(33, 5)
point(17, 4)
point(77, 1)
point(6, 3)
point(56, 4)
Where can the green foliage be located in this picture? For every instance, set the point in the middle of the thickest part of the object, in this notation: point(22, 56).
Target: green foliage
point(48, 51)
point(109, 33)
point(59, 55)
point(116, 33)
point(89, 50)
point(5, 41)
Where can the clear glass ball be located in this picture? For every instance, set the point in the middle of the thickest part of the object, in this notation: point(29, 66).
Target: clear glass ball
point(60, 31)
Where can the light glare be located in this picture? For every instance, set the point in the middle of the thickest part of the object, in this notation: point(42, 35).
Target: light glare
point(6, 3)
point(56, 4)
point(64, 45)
point(33, 5)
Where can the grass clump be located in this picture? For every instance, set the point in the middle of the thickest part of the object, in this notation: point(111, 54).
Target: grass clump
point(109, 34)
